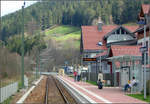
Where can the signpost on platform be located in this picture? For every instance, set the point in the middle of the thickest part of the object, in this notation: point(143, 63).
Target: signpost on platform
point(90, 59)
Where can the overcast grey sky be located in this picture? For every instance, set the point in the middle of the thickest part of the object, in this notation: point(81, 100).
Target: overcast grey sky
point(12, 6)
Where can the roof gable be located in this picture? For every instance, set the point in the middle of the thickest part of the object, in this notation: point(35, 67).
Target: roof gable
point(115, 30)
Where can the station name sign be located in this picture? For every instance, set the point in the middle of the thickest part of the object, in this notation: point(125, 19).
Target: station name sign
point(90, 59)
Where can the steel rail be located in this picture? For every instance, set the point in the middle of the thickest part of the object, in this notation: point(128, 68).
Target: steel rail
point(59, 89)
point(46, 93)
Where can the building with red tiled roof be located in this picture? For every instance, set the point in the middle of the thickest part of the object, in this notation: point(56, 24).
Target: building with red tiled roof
point(96, 42)
point(116, 48)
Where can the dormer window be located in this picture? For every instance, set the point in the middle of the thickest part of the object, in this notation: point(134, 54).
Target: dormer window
point(121, 34)
point(100, 43)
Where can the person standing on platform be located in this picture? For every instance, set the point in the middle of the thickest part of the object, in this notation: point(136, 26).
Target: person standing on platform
point(79, 74)
point(100, 84)
point(75, 75)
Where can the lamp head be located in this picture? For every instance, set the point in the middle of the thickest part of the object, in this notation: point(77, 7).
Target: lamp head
point(24, 3)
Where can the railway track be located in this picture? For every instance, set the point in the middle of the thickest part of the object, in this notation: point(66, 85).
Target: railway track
point(55, 93)
point(50, 91)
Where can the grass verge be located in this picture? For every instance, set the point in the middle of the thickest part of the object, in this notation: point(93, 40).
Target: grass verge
point(64, 29)
point(140, 97)
point(92, 82)
point(7, 101)
point(6, 81)
point(74, 35)
point(72, 76)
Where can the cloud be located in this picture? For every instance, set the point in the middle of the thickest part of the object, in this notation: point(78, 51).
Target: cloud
point(12, 6)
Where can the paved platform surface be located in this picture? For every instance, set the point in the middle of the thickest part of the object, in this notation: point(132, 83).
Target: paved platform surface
point(106, 95)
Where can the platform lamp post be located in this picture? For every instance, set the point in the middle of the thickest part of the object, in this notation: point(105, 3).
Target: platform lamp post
point(144, 63)
point(148, 53)
point(22, 49)
point(143, 49)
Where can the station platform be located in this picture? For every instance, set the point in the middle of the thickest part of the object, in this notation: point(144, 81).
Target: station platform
point(95, 95)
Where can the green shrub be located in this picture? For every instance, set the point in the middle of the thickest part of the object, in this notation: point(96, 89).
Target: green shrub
point(147, 88)
point(4, 74)
point(19, 84)
point(7, 101)
point(92, 82)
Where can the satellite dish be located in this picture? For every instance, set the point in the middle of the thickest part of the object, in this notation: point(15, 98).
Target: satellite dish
point(100, 43)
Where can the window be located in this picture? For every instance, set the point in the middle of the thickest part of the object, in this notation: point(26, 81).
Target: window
point(146, 43)
point(118, 37)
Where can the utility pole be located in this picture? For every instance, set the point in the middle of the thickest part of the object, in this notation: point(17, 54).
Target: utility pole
point(144, 50)
point(100, 64)
point(39, 64)
point(22, 54)
point(89, 70)
point(148, 42)
point(144, 62)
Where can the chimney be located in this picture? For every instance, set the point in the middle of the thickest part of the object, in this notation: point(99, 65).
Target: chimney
point(100, 24)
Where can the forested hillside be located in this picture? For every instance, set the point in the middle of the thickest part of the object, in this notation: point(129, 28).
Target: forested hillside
point(77, 13)
point(56, 24)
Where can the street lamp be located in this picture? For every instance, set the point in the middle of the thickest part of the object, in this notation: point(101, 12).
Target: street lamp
point(144, 50)
point(22, 51)
point(144, 63)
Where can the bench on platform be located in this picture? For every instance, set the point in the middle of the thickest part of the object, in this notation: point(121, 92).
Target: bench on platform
point(135, 87)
